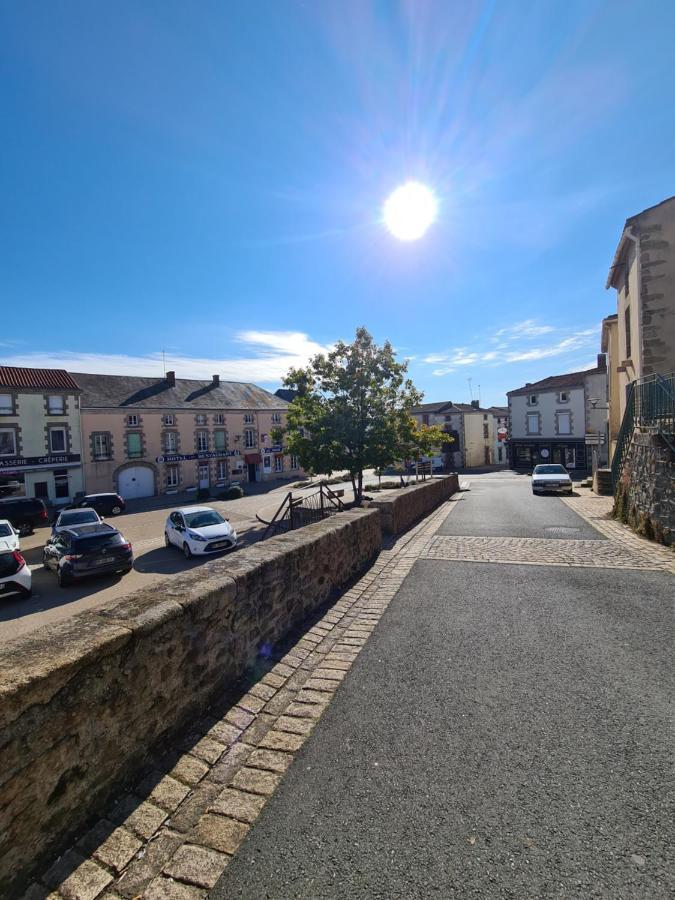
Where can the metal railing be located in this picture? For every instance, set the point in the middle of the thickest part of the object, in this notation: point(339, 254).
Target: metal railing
point(650, 405)
point(303, 509)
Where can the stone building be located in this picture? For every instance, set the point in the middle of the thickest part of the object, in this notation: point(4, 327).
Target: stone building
point(500, 427)
point(474, 432)
point(551, 419)
point(147, 436)
point(40, 451)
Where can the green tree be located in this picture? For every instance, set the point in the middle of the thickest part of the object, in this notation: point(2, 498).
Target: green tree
point(421, 440)
point(352, 409)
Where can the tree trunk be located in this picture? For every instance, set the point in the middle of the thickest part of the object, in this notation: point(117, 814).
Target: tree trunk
point(360, 488)
point(353, 479)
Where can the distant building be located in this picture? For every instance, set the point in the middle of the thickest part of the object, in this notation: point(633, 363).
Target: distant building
point(147, 436)
point(40, 450)
point(472, 427)
point(500, 420)
point(551, 419)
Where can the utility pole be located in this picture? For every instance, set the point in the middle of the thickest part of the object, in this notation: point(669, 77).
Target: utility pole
point(470, 389)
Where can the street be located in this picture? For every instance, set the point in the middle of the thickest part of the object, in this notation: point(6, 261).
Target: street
point(506, 731)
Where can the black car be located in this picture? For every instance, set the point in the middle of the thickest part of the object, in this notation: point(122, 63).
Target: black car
point(24, 513)
point(85, 550)
point(104, 504)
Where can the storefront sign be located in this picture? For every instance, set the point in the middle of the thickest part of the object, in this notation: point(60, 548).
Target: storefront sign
point(204, 454)
point(276, 449)
point(40, 462)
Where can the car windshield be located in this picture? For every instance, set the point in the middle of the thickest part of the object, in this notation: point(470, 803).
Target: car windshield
point(550, 470)
point(96, 542)
point(5, 530)
point(203, 518)
point(78, 517)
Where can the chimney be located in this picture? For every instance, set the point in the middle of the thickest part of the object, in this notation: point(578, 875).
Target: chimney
point(475, 404)
point(602, 362)
point(216, 380)
point(171, 379)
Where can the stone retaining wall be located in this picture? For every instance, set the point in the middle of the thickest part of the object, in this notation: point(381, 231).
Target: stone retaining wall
point(82, 702)
point(645, 497)
point(401, 509)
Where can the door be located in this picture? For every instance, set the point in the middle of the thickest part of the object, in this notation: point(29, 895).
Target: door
point(42, 490)
point(252, 472)
point(136, 481)
point(175, 529)
point(570, 458)
point(203, 475)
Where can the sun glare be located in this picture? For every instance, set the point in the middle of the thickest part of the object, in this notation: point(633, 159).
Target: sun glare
point(410, 210)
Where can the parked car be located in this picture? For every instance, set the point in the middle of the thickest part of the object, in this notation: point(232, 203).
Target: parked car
point(104, 504)
point(198, 530)
point(69, 517)
point(551, 477)
point(15, 575)
point(9, 536)
point(24, 513)
point(84, 550)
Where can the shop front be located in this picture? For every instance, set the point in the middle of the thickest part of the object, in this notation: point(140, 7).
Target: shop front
point(56, 478)
point(527, 454)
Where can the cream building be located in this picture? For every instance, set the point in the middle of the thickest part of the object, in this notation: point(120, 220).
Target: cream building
point(642, 342)
point(40, 450)
point(145, 436)
point(474, 431)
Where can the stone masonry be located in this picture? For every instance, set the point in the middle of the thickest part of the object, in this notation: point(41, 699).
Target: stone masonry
point(646, 492)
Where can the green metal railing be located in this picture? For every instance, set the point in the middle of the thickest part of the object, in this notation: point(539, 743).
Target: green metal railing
point(650, 404)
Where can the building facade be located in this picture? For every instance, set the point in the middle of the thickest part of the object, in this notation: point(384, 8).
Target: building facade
point(144, 436)
point(500, 427)
point(560, 419)
point(473, 428)
point(40, 444)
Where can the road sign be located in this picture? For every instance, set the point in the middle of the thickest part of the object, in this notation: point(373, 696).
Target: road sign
point(595, 439)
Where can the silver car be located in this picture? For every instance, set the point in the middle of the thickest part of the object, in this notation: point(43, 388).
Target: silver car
point(551, 477)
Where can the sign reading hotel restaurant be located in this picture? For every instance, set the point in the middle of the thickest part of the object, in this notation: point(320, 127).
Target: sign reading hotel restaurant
point(276, 449)
point(54, 459)
point(203, 454)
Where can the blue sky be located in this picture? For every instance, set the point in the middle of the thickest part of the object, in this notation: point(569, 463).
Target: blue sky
point(207, 180)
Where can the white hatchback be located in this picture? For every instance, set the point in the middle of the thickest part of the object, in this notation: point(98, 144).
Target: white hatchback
point(15, 575)
point(551, 477)
point(197, 530)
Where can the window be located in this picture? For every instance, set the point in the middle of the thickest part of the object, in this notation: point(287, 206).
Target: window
point(170, 442)
point(132, 421)
point(500, 454)
point(200, 419)
point(278, 464)
point(202, 441)
point(249, 437)
point(626, 318)
point(6, 405)
point(219, 439)
point(533, 423)
point(533, 400)
point(221, 470)
point(564, 423)
point(268, 461)
point(294, 461)
point(626, 278)
point(425, 419)
point(248, 418)
point(485, 417)
point(276, 418)
point(563, 397)
point(218, 419)
point(55, 406)
point(486, 431)
point(58, 442)
point(134, 446)
point(172, 476)
point(7, 442)
point(169, 419)
point(61, 483)
point(101, 445)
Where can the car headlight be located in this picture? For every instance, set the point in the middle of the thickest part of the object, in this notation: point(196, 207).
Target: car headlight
point(196, 537)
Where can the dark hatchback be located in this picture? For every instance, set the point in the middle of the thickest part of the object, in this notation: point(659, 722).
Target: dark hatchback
point(85, 550)
point(24, 513)
point(104, 504)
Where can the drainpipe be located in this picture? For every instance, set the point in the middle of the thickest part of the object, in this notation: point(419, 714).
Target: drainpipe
point(636, 240)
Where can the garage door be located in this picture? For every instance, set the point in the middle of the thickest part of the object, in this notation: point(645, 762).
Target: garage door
point(137, 481)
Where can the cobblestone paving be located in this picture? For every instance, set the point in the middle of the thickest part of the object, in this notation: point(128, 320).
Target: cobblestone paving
point(173, 835)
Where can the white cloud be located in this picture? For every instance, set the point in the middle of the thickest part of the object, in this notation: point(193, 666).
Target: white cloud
point(577, 341)
point(270, 354)
point(440, 372)
point(528, 328)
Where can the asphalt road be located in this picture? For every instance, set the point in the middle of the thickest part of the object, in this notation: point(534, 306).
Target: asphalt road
point(503, 505)
point(506, 732)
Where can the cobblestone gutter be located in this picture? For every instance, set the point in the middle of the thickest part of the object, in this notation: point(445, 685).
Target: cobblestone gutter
point(82, 704)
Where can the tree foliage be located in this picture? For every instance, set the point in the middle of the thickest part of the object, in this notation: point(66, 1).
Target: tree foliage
point(352, 410)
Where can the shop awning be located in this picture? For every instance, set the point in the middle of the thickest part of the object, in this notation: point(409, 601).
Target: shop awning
point(252, 458)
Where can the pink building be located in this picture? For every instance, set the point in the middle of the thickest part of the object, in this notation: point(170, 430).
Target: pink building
point(147, 436)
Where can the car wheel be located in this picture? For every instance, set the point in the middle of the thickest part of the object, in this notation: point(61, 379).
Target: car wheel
point(27, 593)
point(187, 553)
point(62, 578)
point(167, 542)
point(116, 510)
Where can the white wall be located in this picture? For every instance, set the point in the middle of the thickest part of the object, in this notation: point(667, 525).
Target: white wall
point(547, 406)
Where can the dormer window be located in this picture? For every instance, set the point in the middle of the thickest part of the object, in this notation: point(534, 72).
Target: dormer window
point(533, 400)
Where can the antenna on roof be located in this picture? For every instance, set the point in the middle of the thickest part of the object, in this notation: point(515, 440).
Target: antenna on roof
point(470, 389)
point(164, 363)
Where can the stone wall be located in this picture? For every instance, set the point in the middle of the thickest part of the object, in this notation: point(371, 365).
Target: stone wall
point(82, 703)
point(645, 497)
point(400, 509)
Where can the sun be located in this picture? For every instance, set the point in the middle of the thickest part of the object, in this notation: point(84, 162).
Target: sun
point(410, 210)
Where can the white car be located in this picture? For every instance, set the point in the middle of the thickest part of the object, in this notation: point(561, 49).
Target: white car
point(197, 530)
point(15, 575)
point(551, 477)
point(70, 517)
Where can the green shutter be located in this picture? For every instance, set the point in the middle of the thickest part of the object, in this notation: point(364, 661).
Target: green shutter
point(134, 444)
